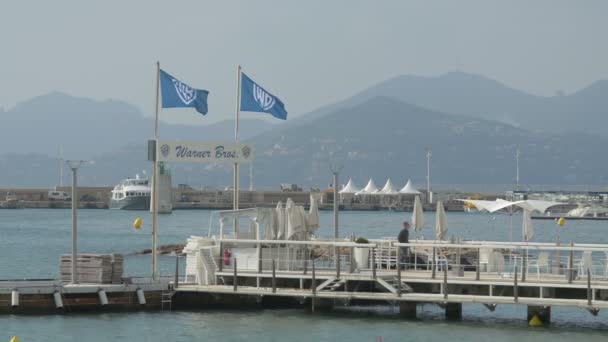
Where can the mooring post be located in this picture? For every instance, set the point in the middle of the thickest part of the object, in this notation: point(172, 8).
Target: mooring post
point(274, 277)
point(515, 294)
point(523, 266)
point(176, 280)
point(398, 280)
point(306, 255)
point(477, 277)
point(589, 296)
point(434, 265)
point(314, 280)
point(235, 276)
point(445, 282)
point(374, 263)
point(398, 258)
point(571, 264)
point(337, 262)
point(220, 264)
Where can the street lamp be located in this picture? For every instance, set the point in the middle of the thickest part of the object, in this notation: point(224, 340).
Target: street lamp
point(74, 165)
point(428, 176)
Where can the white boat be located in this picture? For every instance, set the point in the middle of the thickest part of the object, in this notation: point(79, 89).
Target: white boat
point(10, 202)
point(588, 211)
point(131, 194)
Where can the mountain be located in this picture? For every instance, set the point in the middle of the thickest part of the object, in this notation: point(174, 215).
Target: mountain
point(84, 128)
point(376, 133)
point(466, 94)
point(386, 138)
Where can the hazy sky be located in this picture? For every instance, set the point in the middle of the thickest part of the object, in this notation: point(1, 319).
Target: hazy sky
point(309, 53)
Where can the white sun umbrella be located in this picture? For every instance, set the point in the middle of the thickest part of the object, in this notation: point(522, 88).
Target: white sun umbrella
point(296, 221)
point(441, 222)
point(313, 214)
point(527, 229)
point(280, 221)
point(417, 215)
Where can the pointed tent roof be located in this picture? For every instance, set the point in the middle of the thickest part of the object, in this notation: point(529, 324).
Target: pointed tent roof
point(369, 189)
point(408, 189)
point(388, 189)
point(350, 188)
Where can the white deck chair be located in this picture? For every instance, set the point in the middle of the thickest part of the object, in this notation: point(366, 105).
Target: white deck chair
point(499, 262)
point(586, 263)
point(542, 260)
point(485, 259)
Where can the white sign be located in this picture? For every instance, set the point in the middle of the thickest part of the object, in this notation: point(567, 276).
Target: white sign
point(204, 152)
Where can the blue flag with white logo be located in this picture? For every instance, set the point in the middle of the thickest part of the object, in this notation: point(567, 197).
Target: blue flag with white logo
point(255, 99)
point(177, 94)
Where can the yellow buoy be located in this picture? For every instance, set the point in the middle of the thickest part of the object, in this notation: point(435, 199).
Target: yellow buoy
point(535, 322)
point(561, 221)
point(137, 223)
point(14, 339)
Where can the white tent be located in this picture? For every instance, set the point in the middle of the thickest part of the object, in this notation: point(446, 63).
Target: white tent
point(350, 188)
point(493, 206)
point(417, 215)
point(408, 189)
point(441, 222)
point(388, 189)
point(369, 189)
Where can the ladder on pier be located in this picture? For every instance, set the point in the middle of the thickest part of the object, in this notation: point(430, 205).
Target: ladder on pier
point(166, 299)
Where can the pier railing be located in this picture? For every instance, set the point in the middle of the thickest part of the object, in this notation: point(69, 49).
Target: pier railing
point(532, 261)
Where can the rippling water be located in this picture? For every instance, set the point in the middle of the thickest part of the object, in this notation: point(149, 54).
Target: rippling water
point(31, 241)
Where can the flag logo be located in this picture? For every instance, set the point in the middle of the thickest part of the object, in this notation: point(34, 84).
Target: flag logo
point(246, 151)
point(164, 150)
point(265, 100)
point(257, 99)
point(185, 93)
point(177, 94)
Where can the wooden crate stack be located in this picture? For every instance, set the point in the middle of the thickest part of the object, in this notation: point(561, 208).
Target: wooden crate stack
point(93, 268)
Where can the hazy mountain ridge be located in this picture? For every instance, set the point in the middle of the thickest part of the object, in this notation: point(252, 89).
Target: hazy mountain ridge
point(375, 133)
point(472, 95)
point(84, 128)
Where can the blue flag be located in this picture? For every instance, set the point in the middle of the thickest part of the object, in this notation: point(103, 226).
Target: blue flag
point(255, 99)
point(177, 94)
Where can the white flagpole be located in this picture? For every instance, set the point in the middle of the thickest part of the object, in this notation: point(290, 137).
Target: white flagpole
point(235, 198)
point(155, 182)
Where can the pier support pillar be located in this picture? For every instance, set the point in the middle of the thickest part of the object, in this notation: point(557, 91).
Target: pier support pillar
point(407, 310)
point(543, 313)
point(453, 311)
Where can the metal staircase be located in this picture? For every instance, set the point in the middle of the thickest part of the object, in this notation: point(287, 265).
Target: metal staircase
point(392, 285)
point(207, 267)
point(331, 284)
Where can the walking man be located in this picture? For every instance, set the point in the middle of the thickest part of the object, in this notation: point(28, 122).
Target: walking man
point(404, 237)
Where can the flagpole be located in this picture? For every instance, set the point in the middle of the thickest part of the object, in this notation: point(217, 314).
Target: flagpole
point(235, 197)
point(155, 181)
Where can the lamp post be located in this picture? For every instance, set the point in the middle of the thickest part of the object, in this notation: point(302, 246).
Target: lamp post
point(74, 165)
point(517, 154)
point(428, 176)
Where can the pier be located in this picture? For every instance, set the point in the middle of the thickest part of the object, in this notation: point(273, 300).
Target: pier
point(537, 275)
point(316, 275)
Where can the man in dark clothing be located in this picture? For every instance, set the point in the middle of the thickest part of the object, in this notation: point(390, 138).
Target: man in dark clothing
point(404, 237)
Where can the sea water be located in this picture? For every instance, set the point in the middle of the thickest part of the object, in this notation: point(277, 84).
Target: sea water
point(31, 241)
